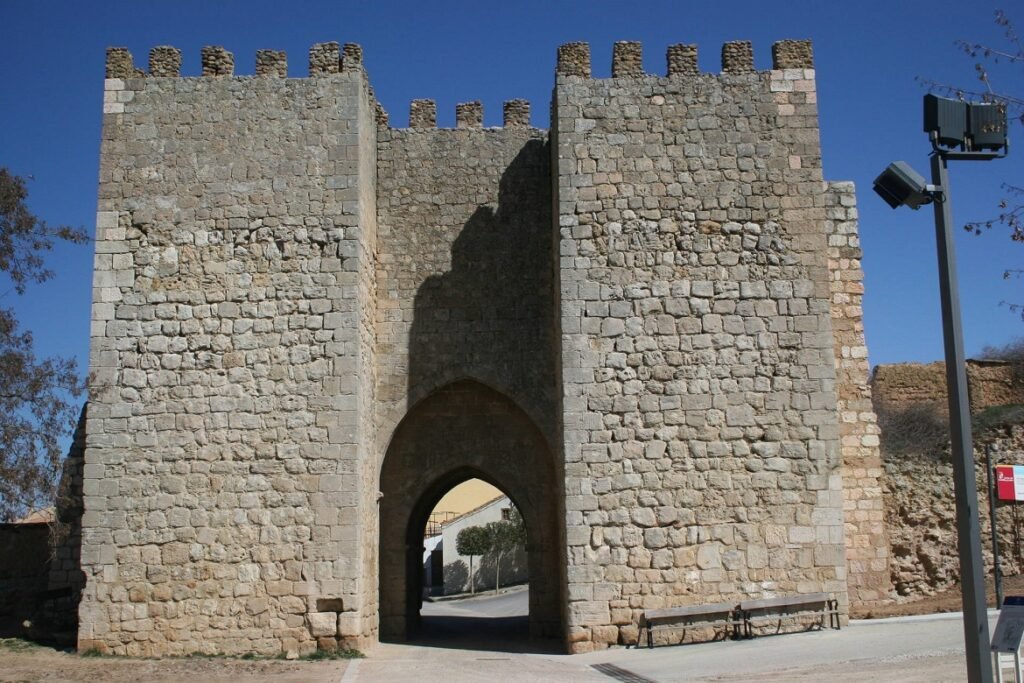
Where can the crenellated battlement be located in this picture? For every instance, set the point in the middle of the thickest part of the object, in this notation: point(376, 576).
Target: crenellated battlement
point(272, 63)
point(573, 59)
point(681, 59)
point(468, 115)
point(217, 61)
point(165, 61)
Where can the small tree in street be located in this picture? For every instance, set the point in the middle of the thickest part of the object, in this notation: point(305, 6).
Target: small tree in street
point(472, 541)
point(504, 537)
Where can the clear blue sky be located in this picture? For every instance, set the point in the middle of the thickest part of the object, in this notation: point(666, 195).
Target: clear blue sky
point(867, 56)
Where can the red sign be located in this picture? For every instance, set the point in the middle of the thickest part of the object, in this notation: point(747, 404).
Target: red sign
point(1009, 482)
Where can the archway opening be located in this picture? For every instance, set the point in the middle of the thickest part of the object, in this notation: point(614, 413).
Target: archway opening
point(463, 432)
point(475, 570)
point(474, 542)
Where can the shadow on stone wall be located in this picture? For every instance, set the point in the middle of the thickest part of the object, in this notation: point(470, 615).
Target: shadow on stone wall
point(491, 316)
point(66, 580)
point(481, 389)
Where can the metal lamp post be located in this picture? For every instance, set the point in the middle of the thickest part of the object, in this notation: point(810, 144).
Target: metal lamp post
point(979, 133)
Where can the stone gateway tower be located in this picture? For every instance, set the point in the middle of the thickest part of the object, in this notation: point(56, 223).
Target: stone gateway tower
point(642, 324)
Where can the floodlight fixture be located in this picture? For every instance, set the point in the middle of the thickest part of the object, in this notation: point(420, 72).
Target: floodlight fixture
point(945, 120)
point(986, 124)
point(977, 129)
point(900, 185)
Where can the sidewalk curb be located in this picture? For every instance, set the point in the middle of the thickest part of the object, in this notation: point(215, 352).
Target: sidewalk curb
point(488, 593)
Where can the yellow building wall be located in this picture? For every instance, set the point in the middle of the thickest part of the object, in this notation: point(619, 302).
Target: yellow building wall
point(467, 496)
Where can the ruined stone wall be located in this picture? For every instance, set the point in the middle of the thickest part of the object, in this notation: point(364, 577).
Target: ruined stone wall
point(994, 383)
point(989, 383)
point(920, 506)
point(920, 510)
point(909, 383)
point(224, 472)
point(867, 544)
point(700, 430)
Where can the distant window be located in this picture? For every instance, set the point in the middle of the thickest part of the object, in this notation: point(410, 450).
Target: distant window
point(506, 513)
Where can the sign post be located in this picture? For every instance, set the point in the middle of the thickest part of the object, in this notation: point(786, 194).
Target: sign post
point(997, 574)
point(1007, 636)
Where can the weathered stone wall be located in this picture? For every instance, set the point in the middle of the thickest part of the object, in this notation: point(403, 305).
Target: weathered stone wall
point(994, 383)
point(989, 383)
point(867, 545)
point(227, 449)
point(700, 429)
point(920, 506)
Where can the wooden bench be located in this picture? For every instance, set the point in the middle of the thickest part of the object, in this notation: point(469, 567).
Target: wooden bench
point(717, 614)
point(787, 606)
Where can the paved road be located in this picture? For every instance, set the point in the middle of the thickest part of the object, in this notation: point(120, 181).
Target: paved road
point(514, 603)
point(467, 646)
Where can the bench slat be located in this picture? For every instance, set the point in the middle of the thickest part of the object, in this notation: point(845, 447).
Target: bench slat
point(785, 601)
point(689, 611)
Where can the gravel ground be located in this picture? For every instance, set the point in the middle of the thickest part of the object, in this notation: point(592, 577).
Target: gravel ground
point(20, 662)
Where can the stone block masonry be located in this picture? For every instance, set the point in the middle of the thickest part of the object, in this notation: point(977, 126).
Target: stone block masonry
point(700, 425)
point(224, 484)
point(867, 543)
point(307, 325)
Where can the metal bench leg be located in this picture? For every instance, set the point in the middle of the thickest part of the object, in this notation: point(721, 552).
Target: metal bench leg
point(650, 636)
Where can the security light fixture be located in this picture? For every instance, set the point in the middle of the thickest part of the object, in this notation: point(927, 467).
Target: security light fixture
point(973, 127)
point(986, 125)
point(945, 120)
point(900, 185)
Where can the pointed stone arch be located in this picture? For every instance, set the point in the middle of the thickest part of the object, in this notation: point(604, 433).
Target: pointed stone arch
point(466, 430)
